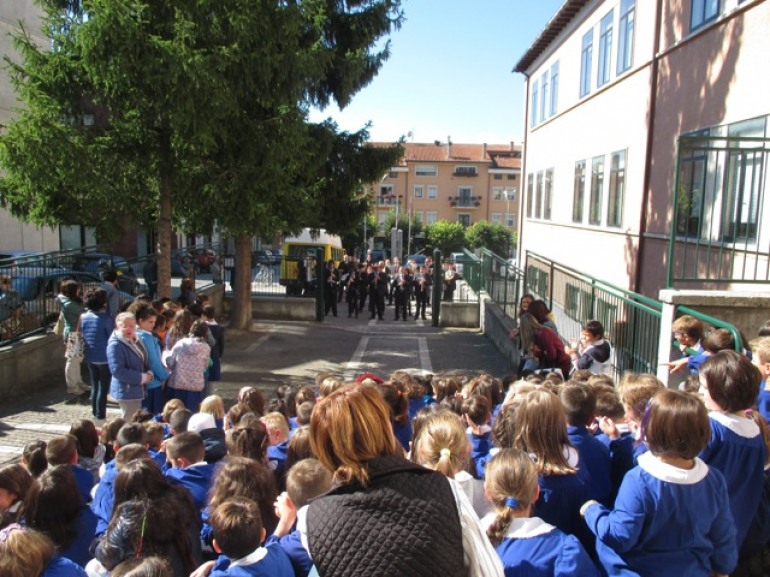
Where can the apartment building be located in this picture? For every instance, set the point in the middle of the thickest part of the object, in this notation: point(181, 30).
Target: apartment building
point(456, 182)
point(647, 139)
point(15, 235)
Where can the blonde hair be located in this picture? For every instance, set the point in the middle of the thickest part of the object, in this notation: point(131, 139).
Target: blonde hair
point(214, 405)
point(171, 406)
point(510, 483)
point(542, 432)
point(761, 348)
point(442, 444)
point(122, 317)
point(25, 552)
point(635, 390)
point(276, 420)
point(328, 386)
point(348, 429)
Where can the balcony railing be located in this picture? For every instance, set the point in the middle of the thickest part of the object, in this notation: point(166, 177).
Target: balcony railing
point(465, 201)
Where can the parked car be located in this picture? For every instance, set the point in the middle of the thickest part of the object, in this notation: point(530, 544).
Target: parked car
point(419, 259)
point(204, 258)
point(38, 291)
point(97, 263)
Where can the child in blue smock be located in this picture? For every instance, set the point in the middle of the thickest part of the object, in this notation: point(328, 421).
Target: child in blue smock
point(477, 413)
point(185, 453)
point(671, 515)
point(305, 480)
point(238, 535)
point(527, 545)
point(730, 385)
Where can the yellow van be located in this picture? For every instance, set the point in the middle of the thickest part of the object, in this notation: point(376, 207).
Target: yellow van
point(299, 254)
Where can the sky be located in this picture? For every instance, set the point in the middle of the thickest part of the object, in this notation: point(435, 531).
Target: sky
point(449, 73)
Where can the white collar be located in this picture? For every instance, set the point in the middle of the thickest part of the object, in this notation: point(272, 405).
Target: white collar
point(622, 428)
point(742, 426)
point(670, 474)
point(526, 528)
point(254, 557)
point(463, 476)
point(572, 456)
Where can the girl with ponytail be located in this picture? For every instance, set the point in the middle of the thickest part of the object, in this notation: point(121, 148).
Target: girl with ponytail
point(524, 543)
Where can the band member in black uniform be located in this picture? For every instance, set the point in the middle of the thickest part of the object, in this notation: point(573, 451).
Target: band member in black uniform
point(353, 288)
point(378, 288)
point(423, 281)
point(331, 285)
point(402, 290)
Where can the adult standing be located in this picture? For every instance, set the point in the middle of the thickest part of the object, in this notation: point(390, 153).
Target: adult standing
point(331, 286)
point(186, 292)
point(97, 325)
point(408, 520)
point(72, 307)
point(150, 273)
point(110, 286)
point(11, 307)
point(127, 359)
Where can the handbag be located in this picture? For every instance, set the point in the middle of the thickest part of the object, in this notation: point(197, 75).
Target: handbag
point(76, 346)
point(58, 328)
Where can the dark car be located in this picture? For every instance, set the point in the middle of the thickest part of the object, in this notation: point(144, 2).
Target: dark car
point(97, 263)
point(38, 291)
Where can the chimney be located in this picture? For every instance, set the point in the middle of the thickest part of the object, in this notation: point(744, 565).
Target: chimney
point(449, 147)
point(484, 151)
point(513, 146)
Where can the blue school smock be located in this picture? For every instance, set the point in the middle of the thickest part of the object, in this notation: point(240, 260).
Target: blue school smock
point(763, 401)
point(736, 448)
point(667, 522)
point(85, 532)
point(534, 548)
point(595, 459)
point(104, 498)
point(276, 458)
point(268, 561)
point(621, 458)
point(196, 479)
point(561, 497)
point(84, 480)
point(480, 447)
point(298, 555)
point(62, 567)
point(403, 433)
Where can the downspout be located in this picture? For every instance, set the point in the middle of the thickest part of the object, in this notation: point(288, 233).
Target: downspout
point(522, 189)
point(648, 152)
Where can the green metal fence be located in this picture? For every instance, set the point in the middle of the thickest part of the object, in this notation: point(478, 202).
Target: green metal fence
point(631, 321)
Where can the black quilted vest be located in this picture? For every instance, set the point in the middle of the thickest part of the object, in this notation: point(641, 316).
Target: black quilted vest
point(404, 524)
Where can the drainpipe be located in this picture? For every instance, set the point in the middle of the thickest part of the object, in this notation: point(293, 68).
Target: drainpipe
point(648, 152)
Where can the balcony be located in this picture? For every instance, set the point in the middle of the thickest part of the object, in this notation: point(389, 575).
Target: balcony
point(465, 171)
point(465, 201)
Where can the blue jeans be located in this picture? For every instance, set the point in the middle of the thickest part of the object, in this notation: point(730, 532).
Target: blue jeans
point(100, 387)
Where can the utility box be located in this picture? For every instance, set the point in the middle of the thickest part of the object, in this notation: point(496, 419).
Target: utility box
point(396, 243)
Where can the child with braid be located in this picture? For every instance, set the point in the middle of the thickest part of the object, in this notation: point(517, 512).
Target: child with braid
point(527, 545)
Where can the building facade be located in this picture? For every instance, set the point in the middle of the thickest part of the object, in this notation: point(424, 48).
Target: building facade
point(629, 101)
point(463, 183)
point(15, 235)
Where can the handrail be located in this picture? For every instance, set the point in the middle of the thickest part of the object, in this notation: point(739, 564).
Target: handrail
point(715, 322)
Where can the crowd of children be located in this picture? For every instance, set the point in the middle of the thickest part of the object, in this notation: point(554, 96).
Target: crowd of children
point(584, 477)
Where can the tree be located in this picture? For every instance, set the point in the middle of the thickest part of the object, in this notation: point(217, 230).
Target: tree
point(445, 236)
point(203, 117)
point(494, 237)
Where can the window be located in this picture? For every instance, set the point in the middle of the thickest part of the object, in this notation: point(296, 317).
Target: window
point(533, 110)
point(547, 194)
point(498, 193)
point(392, 174)
point(426, 170)
point(704, 11)
point(418, 191)
point(510, 219)
point(605, 49)
point(431, 216)
point(616, 189)
point(464, 194)
point(585, 63)
point(554, 87)
point(539, 196)
point(626, 35)
point(579, 191)
point(381, 218)
point(497, 218)
point(742, 197)
point(692, 177)
point(511, 177)
point(498, 176)
point(419, 216)
point(465, 171)
point(544, 96)
point(432, 191)
point(529, 195)
point(386, 194)
point(597, 189)
point(464, 219)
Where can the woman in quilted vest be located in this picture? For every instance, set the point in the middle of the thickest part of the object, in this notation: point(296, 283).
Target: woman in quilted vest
point(385, 515)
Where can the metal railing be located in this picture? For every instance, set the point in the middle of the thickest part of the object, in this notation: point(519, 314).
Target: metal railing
point(631, 321)
point(719, 198)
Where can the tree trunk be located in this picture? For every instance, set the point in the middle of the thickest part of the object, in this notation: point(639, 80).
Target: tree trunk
point(164, 212)
point(241, 318)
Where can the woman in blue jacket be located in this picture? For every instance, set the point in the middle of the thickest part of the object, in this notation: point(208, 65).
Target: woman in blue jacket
point(127, 358)
point(97, 326)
